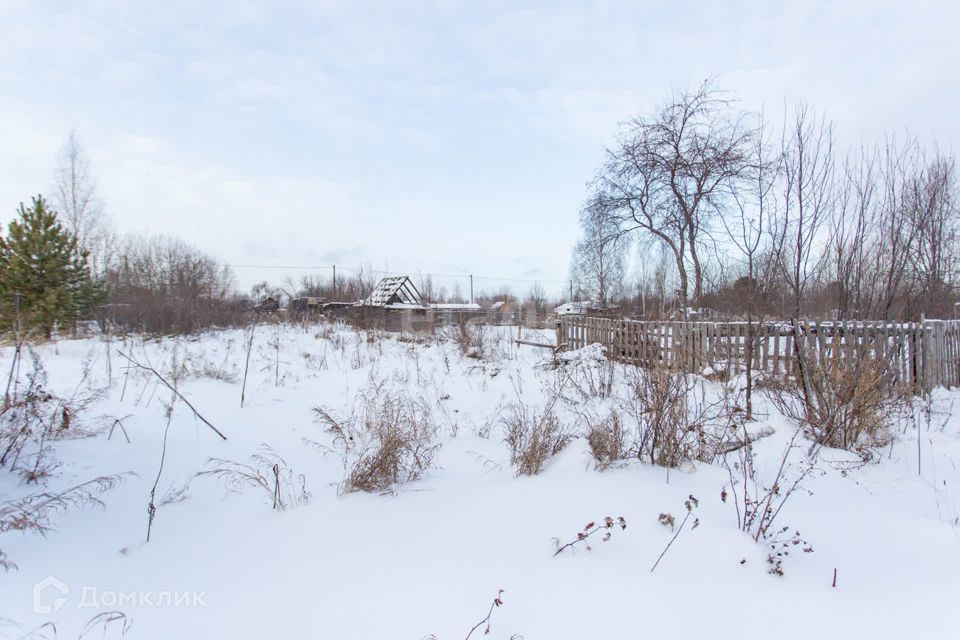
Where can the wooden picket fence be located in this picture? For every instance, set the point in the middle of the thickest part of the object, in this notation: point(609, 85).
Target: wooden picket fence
point(920, 355)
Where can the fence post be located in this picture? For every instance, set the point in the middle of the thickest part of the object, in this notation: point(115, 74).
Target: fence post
point(916, 358)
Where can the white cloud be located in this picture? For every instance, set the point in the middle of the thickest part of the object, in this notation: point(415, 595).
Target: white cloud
point(456, 137)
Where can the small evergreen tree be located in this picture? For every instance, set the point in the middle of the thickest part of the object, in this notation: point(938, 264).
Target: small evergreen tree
point(42, 264)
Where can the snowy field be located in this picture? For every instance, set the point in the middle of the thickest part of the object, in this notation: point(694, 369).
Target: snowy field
point(427, 557)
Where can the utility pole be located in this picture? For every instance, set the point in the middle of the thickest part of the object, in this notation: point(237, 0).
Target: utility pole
point(334, 282)
point(471, 288)
point(571, 291)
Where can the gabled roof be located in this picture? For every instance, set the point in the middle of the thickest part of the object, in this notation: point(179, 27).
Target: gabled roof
point(399, 287)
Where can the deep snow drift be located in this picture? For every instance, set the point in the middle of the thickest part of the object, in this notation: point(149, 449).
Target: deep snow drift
point(428, 557)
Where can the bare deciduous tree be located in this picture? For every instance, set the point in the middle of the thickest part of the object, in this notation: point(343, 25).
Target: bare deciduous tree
point(537, 298)
point(672, 173)
point(893, 233)
point(852, 234)
point(808, 198)
point(868, 235)
point(162, 284)
point(935, 217)
point(750, 235)
point(599, 260)
point(77, 199)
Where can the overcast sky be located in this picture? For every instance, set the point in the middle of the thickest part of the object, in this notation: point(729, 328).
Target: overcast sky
point(432, 137)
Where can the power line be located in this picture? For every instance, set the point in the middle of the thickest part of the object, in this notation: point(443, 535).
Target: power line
point(276, 266)
point(389, 273)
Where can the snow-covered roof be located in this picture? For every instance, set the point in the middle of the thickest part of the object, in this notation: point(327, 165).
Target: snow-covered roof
point(456, 306)
point(577, 308)
point(403, 305)
point(395, 289)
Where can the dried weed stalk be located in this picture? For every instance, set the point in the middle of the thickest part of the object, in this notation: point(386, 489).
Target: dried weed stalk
point(534, 437)
point(389, 438)
point(665, 519)
point(267, 471)
point(35, 512)
point(608, 525)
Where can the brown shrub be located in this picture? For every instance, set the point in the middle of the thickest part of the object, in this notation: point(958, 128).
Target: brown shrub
point(848, 405)
point(533, 437)
point(388, 439)
point(673, 421)
point(608, 440)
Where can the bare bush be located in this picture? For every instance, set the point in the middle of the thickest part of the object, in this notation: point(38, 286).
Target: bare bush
point(475, 339)
point(759, 502)
point(673, 420)
point(845, 405)
point(388, 439)
point(267, 471)
point(32, 418)
point(533, 437)
point(607, 438)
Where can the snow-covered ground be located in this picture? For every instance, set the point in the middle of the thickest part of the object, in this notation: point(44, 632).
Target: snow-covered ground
point(428, 557)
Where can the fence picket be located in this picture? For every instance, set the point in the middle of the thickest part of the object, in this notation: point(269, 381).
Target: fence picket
point(921, 355)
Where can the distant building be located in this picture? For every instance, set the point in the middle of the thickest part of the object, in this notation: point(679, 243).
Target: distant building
point(270, 305)
point(456, 306)
point(396, 290)
point(578, 308)
point(504, 312)
point(305, 304)
point(395, 304)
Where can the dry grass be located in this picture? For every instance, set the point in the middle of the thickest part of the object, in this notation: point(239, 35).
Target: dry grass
point(533, 437)
point(475, 339)
point(607, 438)
point(35, 512)
point(103, 625)
point(32, 419)
point(388, 439)
point(213, 371)
point(267, 472)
